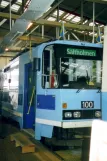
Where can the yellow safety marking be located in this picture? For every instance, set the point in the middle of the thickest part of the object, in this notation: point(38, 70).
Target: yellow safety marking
point(31, 100)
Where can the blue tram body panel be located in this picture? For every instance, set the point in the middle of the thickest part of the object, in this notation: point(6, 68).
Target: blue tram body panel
point(40, 100)
point(46, 102)
point(74, 99)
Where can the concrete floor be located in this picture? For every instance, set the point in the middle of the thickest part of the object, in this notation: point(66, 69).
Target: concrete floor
point(8, 151)
point(5, 130)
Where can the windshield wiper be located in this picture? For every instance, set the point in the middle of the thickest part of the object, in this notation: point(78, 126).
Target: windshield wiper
point(78, 90)
point(99, 90)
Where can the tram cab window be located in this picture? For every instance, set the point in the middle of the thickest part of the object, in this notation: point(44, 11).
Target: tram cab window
point(49, 71)
point(63, 68)
point(80, 73)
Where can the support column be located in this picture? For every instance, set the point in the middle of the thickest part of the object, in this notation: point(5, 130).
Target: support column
point(93, 21)
point(82, 5)
point(10, 17)
point(104, 78)
point(57, 28)
point(23, 4)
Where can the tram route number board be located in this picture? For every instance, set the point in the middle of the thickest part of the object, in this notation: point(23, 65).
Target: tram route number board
point(87, 104)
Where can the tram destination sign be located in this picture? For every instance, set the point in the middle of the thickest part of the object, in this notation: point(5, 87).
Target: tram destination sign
point(81, 52)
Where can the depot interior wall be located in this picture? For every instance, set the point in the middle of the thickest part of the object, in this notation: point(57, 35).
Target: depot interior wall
point(4, 61)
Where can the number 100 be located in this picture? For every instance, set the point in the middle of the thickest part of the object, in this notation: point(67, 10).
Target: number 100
point(87, 104)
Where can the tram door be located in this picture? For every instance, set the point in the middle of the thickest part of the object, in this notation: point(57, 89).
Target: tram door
point(29, 98)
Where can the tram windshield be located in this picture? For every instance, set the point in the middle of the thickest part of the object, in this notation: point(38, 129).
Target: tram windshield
point(71, 67)
point(80, 73)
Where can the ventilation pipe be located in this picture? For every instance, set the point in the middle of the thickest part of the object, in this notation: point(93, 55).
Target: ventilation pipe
point(35, 10)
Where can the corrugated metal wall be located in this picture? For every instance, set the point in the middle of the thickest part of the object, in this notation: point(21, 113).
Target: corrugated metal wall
point(4, 61)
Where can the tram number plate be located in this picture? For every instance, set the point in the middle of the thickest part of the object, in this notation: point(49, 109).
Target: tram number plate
point(87, 104)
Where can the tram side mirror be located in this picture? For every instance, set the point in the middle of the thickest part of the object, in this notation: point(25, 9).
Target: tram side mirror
point(36, 64)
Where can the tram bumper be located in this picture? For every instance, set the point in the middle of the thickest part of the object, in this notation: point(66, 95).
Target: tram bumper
point(77, 124)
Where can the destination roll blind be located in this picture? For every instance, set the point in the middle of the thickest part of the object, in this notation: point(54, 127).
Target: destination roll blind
point(81, 52)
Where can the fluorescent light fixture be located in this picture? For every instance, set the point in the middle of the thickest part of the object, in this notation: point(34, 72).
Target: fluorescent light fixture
point(6, 49)
point(29, 25)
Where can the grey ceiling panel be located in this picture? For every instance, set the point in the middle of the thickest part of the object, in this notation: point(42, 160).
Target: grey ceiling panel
point(35, 10)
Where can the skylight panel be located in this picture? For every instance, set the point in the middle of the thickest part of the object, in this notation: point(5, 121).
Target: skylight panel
point(66, 15)
point(2, 22)
point(19, 1)
point(85, 22)
point(76, 19)
point(91, 24)
point(62, 21)
point(70, 17)
point(15, 7)
point(60, 13)
point(4, 4)
point(51, 19)
point(101, 25)
point(90, 33)
point(97, 23)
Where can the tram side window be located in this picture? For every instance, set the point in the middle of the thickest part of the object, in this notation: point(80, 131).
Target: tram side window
point(14, 77)
point(49, 74)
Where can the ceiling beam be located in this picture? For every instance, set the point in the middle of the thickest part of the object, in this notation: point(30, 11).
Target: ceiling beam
point(55, 24)
point(36, 39)
point(98, 1)
point(67, 25)
point(96, 16)
point(71, 11)
point(7, 15)
point(52, 9)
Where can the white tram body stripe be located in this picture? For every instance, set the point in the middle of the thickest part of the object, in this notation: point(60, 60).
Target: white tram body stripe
point(71, 124)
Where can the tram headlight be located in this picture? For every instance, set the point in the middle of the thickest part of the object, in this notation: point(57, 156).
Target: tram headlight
point(98, 114)
point(68, 114)
point(77, 114)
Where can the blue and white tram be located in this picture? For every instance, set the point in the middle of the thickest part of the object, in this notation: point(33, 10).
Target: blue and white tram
point(56, 91)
